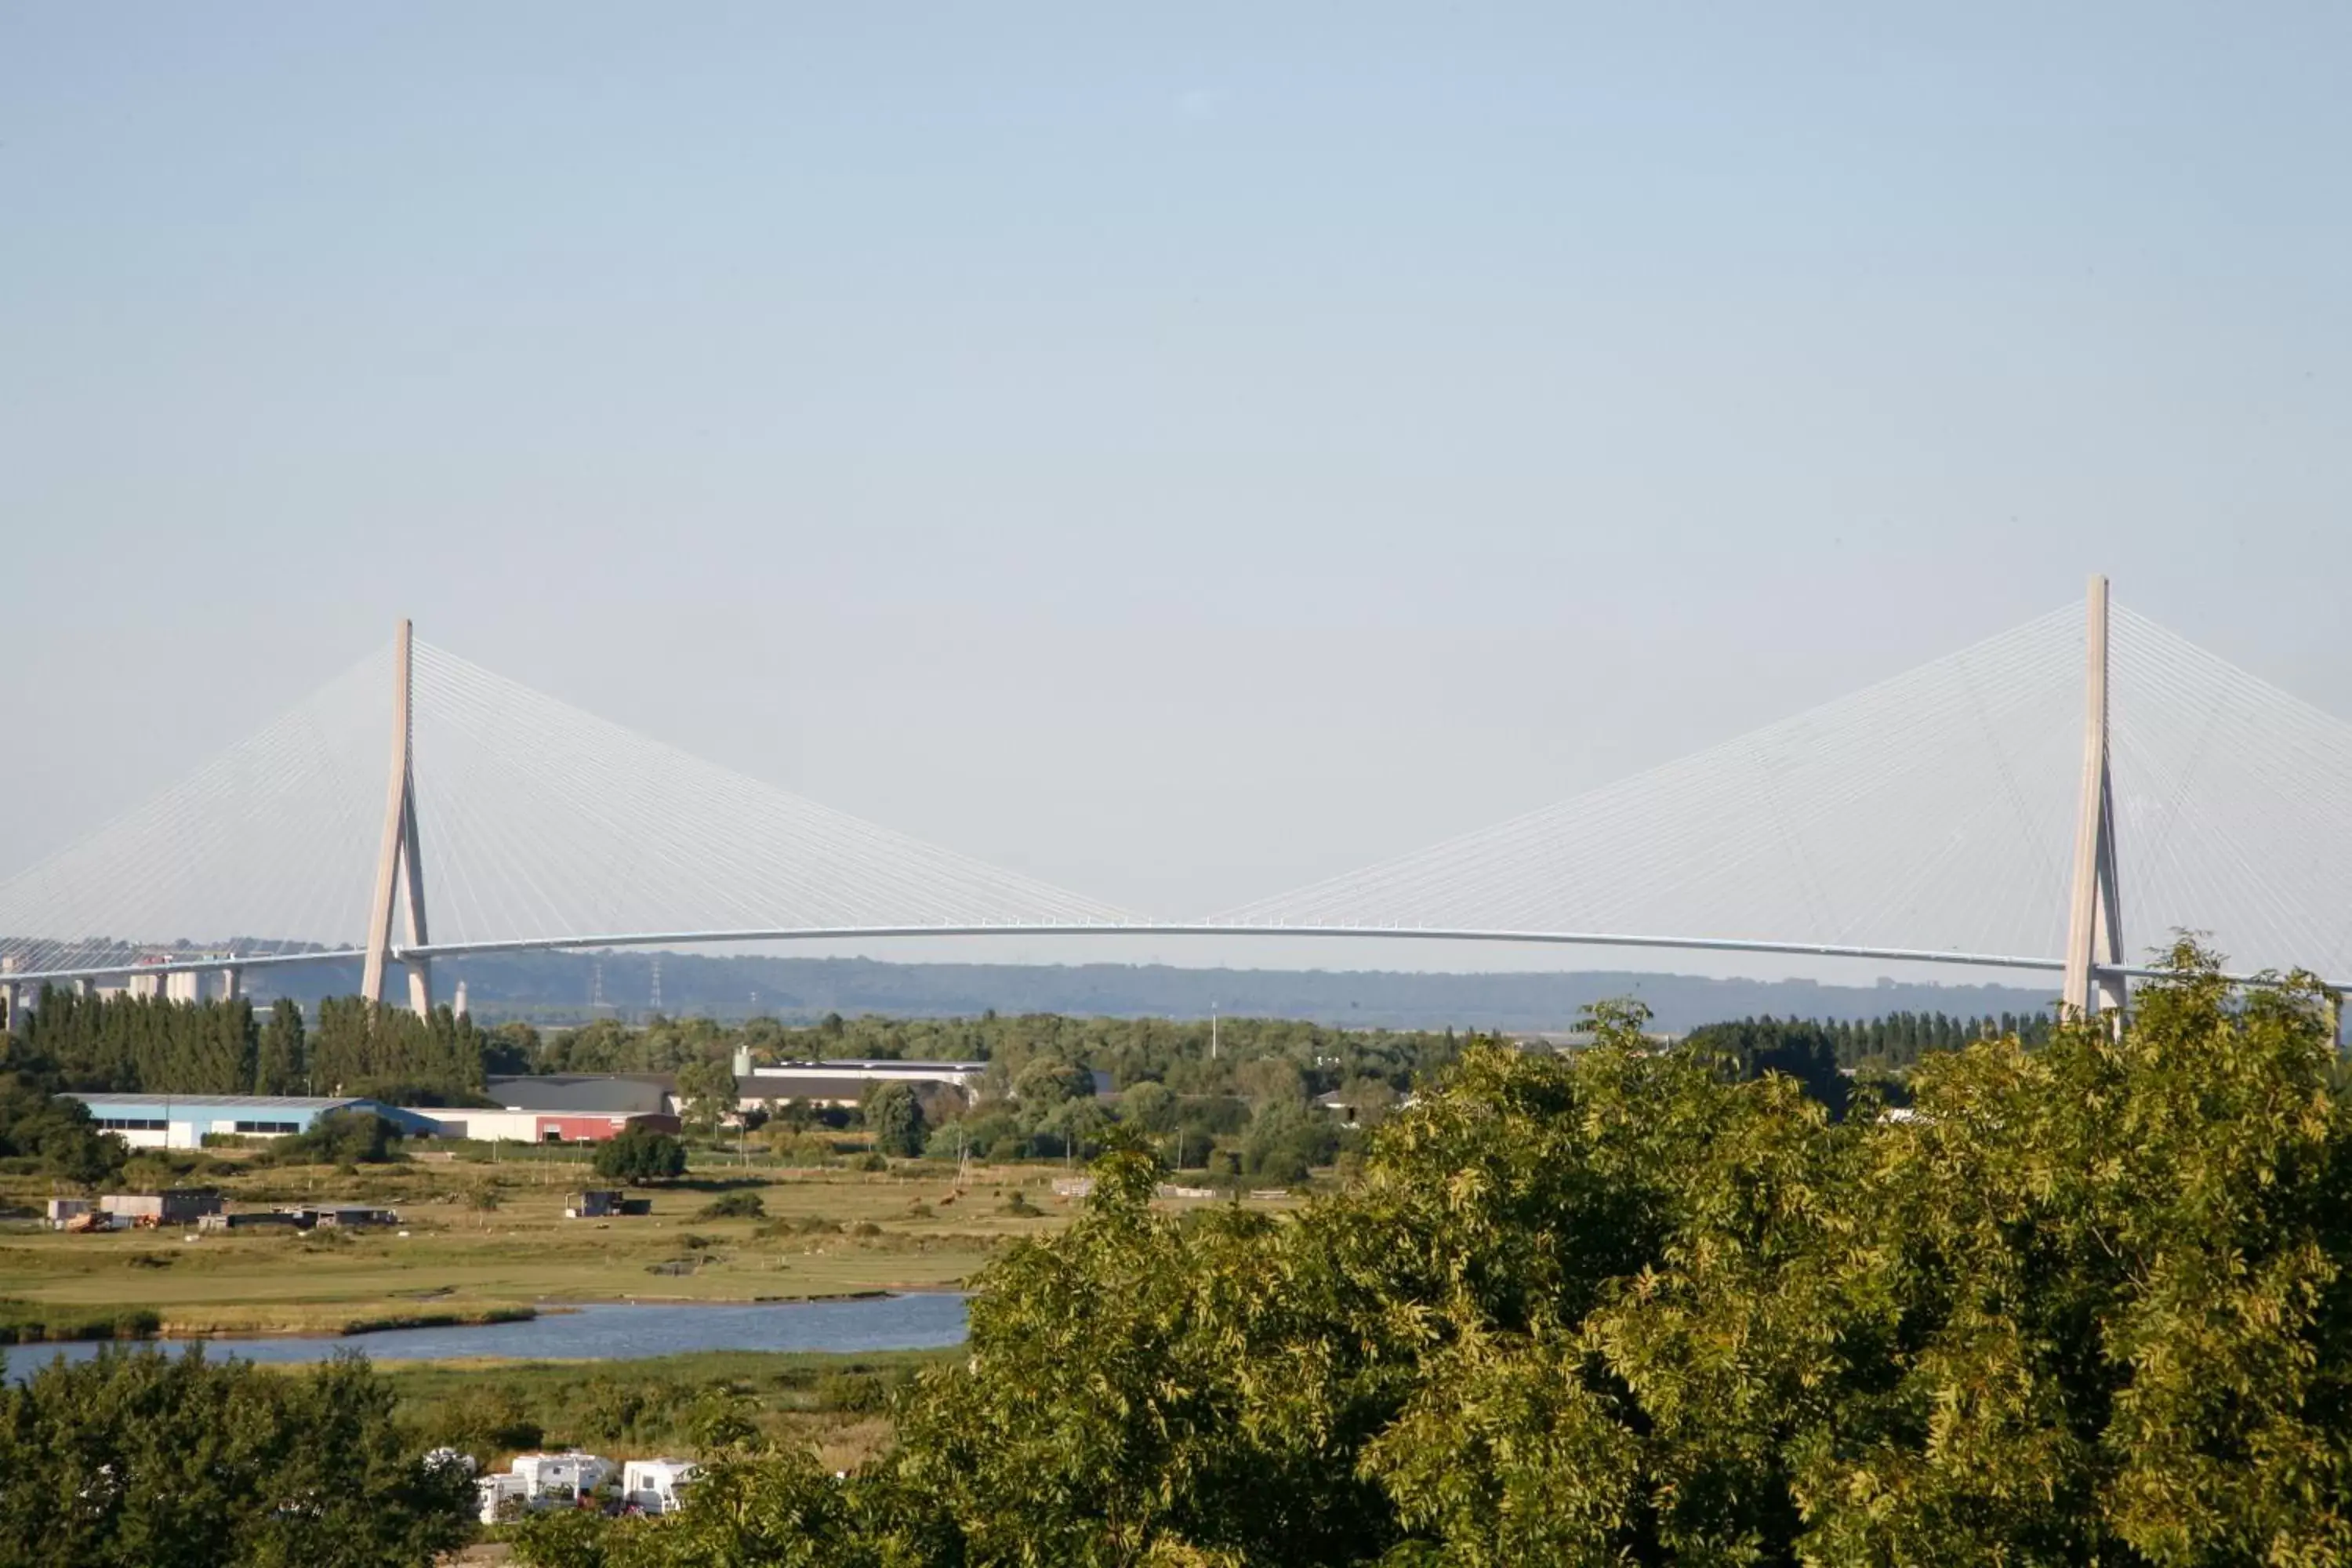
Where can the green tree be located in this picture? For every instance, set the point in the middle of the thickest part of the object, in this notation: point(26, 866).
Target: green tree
point(136, 1460)
point(485, 1419)
point(705, 1088)
point(639, 1155)
point(1286, 1139)
point(281, 1062)
point(340, 1138)
point(2087, 1305)
point(57, 1134)
point(1045, 1083)
point(1102, 1419)
point(1754, 1047)
point(1150, 1105)
point(512, 1049)
point(895, 1116)
point(773, 1508)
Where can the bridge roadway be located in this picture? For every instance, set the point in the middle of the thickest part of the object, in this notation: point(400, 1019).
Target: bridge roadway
point(862, 933)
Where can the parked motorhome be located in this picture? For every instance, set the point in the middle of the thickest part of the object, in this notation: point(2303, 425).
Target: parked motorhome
point(501, 1496)
point(562, 1478)
point(540, 1480)
point(656, 1485)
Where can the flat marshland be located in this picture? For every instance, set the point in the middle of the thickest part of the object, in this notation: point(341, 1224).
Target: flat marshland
point(482, 1239)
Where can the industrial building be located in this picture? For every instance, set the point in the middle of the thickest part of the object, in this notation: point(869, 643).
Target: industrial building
point(845, 1080)
point(184, 1120)
point(567, 1107)
point(868, 1071)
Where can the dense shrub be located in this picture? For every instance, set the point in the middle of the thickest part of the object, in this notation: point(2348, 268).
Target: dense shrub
point(1286, 1141)
point(50, 1133)
point(137, 1459)
point(733, 1205)
point(639, 1155)
point(486, 1420)
point(895, 1116)
point(340, 1138)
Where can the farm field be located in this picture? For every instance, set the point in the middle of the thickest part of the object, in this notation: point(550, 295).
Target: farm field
point(480, 1238)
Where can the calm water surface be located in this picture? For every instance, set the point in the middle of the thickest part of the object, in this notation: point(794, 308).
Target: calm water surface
point(609, 1333)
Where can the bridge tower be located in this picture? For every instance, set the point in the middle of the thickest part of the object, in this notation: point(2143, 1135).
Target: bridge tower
point(2095, 933)
point(400, 864)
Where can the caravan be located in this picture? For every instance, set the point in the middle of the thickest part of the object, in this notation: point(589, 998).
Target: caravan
point(656, 1485)
point(541, 1480)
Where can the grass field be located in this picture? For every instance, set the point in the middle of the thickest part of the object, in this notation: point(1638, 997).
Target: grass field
point(658, 1407)
point(826, 1232)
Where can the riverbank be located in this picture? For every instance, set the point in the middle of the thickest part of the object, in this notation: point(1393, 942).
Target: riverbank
point(597, 1336)
point(27, 1323)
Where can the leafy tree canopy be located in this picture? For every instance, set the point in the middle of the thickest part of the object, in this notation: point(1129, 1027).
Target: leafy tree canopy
point(136, 1460)
point(895, 1116)
point(340, 1138)
point(2084, 1304)
point(57, 1135)
point(707, 1086)
point(639, 1155)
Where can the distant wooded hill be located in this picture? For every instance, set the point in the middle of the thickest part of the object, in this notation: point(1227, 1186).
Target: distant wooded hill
point(557, 987)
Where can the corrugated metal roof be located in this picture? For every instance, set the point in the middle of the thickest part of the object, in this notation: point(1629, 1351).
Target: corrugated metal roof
point(229, 1101)
point(589, 1092)
point(776, 1091)
point(869, 1064)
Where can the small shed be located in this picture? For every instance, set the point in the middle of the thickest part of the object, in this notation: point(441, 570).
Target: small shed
point(594, 1203)
point(179, 1206)
point(260, 1219)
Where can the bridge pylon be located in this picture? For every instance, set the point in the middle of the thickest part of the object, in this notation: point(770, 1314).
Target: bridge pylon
point(2095, 933)
point(400, 863)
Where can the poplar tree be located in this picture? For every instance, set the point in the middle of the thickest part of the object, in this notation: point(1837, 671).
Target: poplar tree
point(282, 1062)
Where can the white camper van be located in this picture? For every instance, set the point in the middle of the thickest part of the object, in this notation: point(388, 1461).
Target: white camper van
point(656, 1485)
point(541, 1480)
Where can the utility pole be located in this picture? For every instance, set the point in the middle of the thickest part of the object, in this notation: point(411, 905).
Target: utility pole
point(2095, 938)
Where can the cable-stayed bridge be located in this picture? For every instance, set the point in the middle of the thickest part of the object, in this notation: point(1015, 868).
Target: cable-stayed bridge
point(2060, 797)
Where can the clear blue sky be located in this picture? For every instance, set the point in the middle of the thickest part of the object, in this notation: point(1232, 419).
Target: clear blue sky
point(1175, 455)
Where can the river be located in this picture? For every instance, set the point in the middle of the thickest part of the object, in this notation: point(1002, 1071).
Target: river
point(604, 1332)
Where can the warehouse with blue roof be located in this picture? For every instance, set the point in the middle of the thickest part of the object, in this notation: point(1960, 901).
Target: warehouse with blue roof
point(182, 1121)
